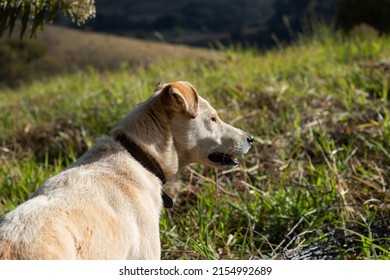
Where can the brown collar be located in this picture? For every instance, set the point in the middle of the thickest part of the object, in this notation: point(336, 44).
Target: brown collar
point(146, 161)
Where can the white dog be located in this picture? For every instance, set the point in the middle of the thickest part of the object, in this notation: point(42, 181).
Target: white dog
point(107, 204)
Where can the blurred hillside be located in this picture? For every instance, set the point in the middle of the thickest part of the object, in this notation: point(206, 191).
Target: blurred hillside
point(262, 23)
point(58, 50)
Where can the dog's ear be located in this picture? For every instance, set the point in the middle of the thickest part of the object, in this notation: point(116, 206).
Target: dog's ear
point(182, 97)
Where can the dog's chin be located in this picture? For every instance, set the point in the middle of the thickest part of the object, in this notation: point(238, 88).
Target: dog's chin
point(222, 160)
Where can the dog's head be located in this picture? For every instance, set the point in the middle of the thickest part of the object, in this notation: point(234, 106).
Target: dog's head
point(198, 133)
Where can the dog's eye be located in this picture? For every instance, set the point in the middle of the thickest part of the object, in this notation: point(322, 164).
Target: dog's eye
point(213, 119)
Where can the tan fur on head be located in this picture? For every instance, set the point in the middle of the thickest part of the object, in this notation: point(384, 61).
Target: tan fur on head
point(183, 97)
point(159, 86)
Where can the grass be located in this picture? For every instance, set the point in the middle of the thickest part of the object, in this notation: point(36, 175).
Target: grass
point(315, 184)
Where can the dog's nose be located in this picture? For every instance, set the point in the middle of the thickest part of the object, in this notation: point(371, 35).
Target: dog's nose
point(250, 139)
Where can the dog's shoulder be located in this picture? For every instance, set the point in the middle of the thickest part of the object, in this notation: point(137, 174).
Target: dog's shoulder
point(106, 148)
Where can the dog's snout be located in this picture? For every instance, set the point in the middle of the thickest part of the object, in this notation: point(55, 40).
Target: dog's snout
point(250, 139)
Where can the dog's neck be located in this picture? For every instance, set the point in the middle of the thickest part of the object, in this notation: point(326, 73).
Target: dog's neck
point(146, 161)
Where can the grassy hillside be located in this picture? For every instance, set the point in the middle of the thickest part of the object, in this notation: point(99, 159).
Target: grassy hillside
point(61, 50)
point(315, 184)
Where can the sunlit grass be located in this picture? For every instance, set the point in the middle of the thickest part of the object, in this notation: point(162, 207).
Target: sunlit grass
point(320, 167)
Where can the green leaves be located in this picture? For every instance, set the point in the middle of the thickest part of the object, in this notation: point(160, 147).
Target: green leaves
point(34, 14)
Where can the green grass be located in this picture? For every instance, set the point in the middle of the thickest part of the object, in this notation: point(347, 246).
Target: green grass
point(318, 174)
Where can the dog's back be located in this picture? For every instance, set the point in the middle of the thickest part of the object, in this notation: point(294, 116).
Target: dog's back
point(85, 212)
point(25, 232)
